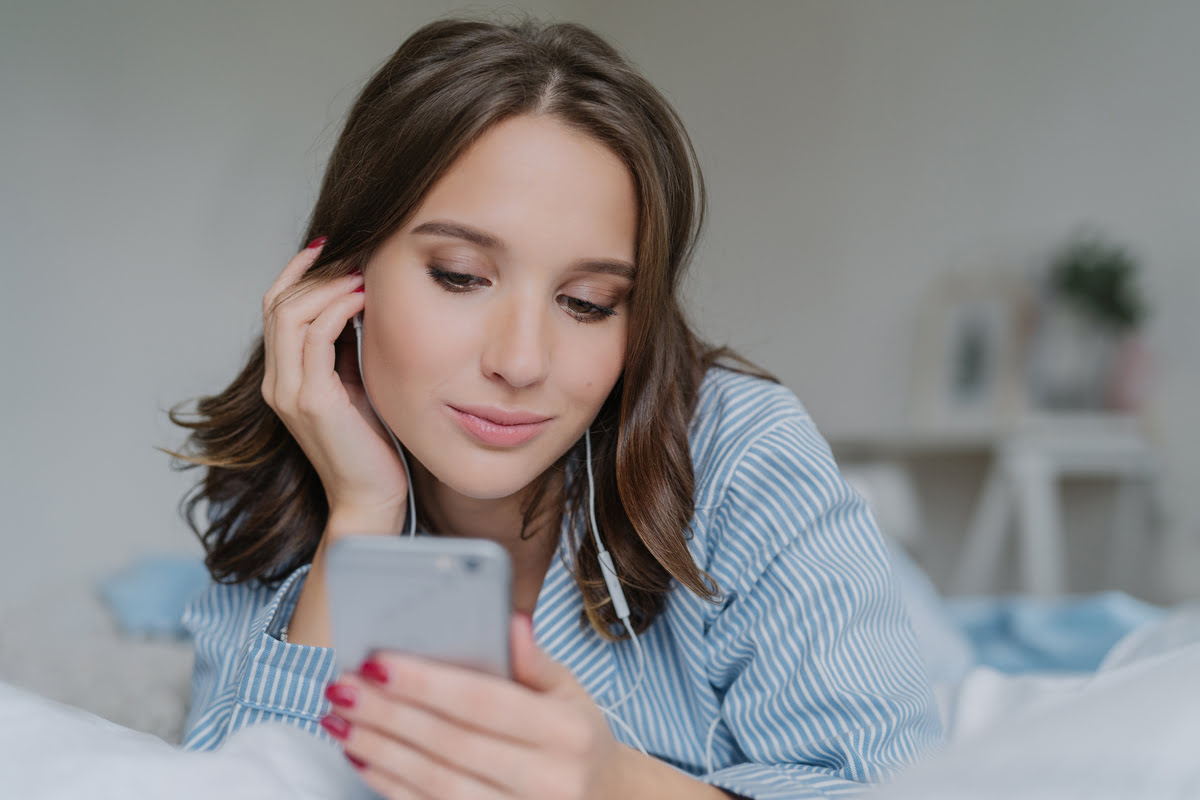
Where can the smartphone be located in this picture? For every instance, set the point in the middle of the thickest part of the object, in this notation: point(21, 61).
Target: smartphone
point(446, 599)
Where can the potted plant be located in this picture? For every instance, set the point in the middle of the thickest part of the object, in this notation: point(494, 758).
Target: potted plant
point(1087, 354)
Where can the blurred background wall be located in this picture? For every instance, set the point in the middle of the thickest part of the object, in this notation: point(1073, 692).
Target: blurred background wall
point(159, 159)
point(859, 152)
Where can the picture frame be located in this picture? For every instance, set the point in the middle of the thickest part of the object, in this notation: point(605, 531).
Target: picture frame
point(969, 352)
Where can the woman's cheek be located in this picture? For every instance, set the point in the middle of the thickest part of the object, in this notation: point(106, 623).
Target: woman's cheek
point(595, 374)
point(438, 328)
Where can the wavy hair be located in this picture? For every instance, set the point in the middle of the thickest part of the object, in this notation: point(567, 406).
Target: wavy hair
point(448, 84)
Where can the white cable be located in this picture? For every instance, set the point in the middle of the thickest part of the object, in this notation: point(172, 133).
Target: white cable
point(607, 569)
point(412, 501)
point(625, 727)
point(617, 595)
point(641, 657)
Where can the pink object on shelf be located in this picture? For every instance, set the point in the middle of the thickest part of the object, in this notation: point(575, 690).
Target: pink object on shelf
point(1129, 379)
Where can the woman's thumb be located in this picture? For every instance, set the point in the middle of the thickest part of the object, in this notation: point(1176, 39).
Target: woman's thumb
point(531, 666)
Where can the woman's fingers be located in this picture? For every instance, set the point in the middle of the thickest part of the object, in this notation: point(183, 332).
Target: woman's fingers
point(288, 325)
point(433, 771)
point(291, 273)
point(349, 449)
point(519, 755)
point(318, 360)
point(387, 787)
point(286, 279)
point(470, 698)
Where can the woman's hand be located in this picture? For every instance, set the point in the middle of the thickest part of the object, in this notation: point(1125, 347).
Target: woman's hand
point(417, 729)
point(312, 383)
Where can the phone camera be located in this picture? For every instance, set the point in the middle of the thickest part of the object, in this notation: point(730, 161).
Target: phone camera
point(471, 564)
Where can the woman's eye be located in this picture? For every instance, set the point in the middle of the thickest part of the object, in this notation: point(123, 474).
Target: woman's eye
point(584, 311)
point(452, 281)
point(581, 310)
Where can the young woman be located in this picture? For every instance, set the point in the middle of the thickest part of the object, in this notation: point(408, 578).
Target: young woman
point(510, 210)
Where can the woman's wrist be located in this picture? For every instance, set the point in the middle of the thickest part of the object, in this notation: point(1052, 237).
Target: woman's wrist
point(375, 521)
point(309, 623)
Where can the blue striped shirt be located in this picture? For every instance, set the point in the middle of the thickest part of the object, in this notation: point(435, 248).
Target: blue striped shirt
point(804, 681)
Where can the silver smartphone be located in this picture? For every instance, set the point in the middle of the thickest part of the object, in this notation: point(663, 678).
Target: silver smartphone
point(446, 599)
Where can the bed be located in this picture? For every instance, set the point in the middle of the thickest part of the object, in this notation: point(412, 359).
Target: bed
point(91, 705)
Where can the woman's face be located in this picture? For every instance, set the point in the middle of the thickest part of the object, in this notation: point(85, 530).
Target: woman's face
point(496, 318)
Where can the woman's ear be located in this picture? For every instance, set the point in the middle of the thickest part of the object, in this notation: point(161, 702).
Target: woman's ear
point(346, 355)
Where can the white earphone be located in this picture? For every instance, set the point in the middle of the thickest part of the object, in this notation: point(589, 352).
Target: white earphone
point(607, 568)
point(412, 503)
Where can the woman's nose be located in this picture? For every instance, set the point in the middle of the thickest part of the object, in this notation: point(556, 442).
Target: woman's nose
point(517, 349)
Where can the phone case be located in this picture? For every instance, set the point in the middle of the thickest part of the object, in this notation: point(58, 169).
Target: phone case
point(437, 597)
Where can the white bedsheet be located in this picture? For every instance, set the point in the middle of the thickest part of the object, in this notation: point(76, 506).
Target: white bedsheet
point(1132, 731)
point(51, 750)
point(1129, 733)
point(986, 696)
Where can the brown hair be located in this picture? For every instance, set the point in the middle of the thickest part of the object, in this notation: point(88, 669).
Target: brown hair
point(445, 86)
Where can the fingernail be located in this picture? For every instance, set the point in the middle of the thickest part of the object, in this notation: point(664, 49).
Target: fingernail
point(356, 272)
point(373, 671)
point(341, 695)
point(359, 289)
point(317, 242)
point(357, 762)
point(338, 728)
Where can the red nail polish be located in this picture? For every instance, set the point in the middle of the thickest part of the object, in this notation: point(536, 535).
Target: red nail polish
point(338, 728)
point(357, 762)
point(356, 272)
point(359, 289)
point(373, 671)
point(341, 695)
point(317, 242)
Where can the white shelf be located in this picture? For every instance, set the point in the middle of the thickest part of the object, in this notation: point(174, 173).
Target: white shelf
point(1021, 493)
point(928, 438)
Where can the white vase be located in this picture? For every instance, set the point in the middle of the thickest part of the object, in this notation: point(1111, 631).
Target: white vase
point(1070, 359)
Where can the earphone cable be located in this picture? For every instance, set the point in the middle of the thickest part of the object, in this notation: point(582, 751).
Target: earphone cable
point(613, 716)
point(616, 594)
point(641, 658)
point(412, 501)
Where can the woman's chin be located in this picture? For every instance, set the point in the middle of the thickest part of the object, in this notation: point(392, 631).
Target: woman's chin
point(481, 473)
point(486, 481)
point(486, 490)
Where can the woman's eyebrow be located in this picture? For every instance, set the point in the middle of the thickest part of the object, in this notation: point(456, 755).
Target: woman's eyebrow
point(459, 231)
point(456, 230)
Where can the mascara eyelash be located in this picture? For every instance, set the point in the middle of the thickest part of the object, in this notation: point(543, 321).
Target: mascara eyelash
point(604, 312)
point(444, 278)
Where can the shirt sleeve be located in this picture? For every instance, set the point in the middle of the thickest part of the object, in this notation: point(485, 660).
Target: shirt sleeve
point(821, 684)
point(243, 673)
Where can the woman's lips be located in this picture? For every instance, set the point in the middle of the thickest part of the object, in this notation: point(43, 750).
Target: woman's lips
point(496, 427)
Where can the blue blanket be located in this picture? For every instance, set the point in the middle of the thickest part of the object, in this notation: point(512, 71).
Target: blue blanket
point(1069, 634)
